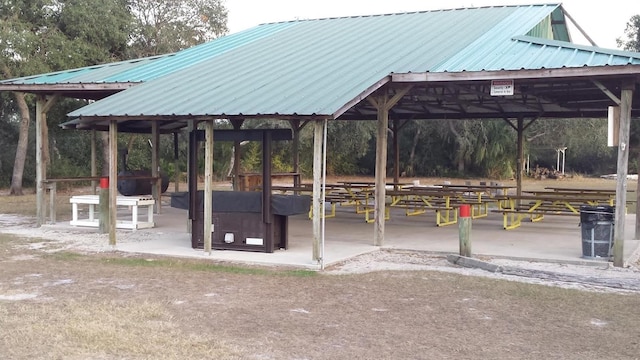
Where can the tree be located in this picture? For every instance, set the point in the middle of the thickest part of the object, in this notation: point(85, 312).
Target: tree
point(38, 36)
point(168, 26)
point(631, 39)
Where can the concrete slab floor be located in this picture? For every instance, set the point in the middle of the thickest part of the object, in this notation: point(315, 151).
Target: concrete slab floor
point(555, 239)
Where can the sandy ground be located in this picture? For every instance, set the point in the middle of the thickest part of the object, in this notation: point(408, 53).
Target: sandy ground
point(603, 277)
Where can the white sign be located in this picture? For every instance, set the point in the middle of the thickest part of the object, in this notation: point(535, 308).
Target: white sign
point(501, 87)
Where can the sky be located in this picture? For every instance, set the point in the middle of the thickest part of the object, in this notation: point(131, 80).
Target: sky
point(603, 21)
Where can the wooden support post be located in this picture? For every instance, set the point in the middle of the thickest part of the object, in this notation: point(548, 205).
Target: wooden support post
point(208, 178)
point(267, 215)
point(40, 162)
point(43, 105)
point(156, 188)
point(383, 104)
point(176, 163)
point(396, 152)
point(464, 230)
point(623, 163)
point(94, 167)
point(295, 127)
point(51, 186)
point(192, 173)
point(381, 172)
point(237, 155)
point(113, 180)
point(520, 159)
point(317, 199)
point(103, 206)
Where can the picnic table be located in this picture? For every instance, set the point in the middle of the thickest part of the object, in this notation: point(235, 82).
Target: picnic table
point(419, 200)
point(536, 204)
point(581, 190)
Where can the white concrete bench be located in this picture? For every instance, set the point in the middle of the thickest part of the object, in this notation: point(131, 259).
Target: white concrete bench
point(132, 202)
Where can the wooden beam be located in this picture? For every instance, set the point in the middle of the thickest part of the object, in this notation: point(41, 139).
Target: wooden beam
point(52, 88)
point(363, 95)
point(586, 71)
point(621, 184)
point(606, 91)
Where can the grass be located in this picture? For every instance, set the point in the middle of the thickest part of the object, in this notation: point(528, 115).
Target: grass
point(105, 330)
point(181, 264)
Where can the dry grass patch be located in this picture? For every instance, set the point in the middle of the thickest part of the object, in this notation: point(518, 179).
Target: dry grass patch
point(108, 329)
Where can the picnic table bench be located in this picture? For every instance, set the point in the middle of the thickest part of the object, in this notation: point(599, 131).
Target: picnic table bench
point(131, 202)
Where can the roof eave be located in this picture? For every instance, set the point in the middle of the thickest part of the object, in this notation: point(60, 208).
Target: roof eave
point(67, 87)
point(584, 71)
point(207, 117)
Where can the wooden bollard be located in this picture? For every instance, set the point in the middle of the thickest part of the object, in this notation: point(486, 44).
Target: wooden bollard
point(103, 205)
point(464, 228)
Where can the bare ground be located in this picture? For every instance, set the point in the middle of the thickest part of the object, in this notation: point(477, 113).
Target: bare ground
point(63, 302)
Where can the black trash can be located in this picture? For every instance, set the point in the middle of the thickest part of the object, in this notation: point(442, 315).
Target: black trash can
point(597, 223)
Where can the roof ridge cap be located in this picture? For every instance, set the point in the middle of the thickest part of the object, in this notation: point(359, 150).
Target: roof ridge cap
point(560, 43)
point(410, 12)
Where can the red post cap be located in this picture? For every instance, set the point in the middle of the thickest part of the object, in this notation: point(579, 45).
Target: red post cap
point(465, 211)
point(104, 183)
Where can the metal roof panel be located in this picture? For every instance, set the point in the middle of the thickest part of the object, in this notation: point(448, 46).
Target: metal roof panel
point(316, 66)
point(145, 69)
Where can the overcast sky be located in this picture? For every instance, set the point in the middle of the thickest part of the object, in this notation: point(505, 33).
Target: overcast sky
point(603, 21)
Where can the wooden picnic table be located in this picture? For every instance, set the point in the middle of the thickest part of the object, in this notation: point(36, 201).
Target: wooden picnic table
point(444, 201)
point(488, 189)
point(591, 198)
point(537, 204)
point(581, 190)
point(417, 200)
point(357, 195)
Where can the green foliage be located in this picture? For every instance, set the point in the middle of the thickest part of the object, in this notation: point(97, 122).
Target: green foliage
point(97, 37)
point(631, 39)
point(585, 140)
point(167, 26)
point(347, 143)
point(9, 135)
point(494, 149)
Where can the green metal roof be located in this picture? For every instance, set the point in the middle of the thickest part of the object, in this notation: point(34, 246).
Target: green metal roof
point(144, 69)
point(90, 74)
point(315, 67)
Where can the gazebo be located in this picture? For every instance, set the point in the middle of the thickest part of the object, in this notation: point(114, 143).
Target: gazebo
point(515, 63)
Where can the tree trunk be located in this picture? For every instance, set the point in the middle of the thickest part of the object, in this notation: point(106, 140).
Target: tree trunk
point(461, 165)
point(21, 150)
point(410, 170)
point(463, 146)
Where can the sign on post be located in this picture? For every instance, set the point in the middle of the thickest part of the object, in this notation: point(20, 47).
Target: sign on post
point(501, 87)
